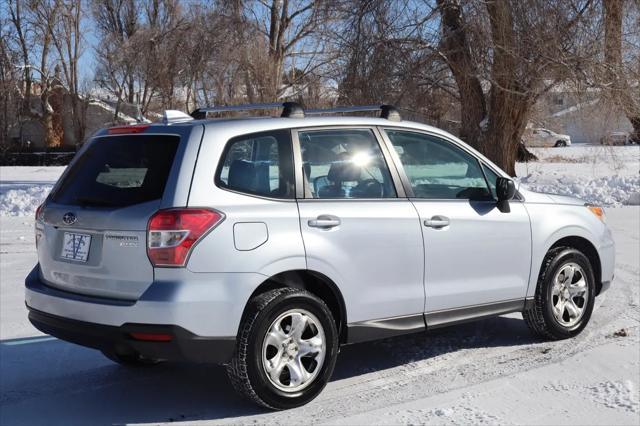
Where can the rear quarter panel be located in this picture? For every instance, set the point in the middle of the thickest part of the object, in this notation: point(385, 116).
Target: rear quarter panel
point(218, 252)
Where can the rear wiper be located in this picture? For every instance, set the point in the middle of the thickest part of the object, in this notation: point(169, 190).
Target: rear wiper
point(98, 202)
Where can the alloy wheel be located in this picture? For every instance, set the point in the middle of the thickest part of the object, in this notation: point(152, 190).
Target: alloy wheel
point(293, 350)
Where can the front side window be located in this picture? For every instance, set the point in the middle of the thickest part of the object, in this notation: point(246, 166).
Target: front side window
point(437, 169)
point(259, 164)
point(344, 163)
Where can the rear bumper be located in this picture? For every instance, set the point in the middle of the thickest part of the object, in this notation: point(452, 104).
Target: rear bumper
point(203, 310)
point(183, 346)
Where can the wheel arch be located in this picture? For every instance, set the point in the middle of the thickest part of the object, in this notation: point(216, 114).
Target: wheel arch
point(314, 282)
point(588, 249)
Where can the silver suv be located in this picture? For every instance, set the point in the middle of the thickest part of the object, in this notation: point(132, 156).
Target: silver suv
point(266, 243)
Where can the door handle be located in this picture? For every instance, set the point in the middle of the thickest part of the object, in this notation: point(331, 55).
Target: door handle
point(437, 222)
point(324, 221)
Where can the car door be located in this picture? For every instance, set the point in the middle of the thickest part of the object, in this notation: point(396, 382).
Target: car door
point(359, 229)
point(546, 138)
point(477, 257)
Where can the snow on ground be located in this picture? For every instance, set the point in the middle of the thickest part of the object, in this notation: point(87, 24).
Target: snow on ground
point(604, 175)
point(23, 189)
point(487, 372)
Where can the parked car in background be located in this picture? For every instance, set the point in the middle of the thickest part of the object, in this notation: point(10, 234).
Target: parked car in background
point(545, 138)
point(616, 138)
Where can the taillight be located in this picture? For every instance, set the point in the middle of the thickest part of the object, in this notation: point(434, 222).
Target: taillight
point(172, 233)
point(39, 212)
point(38, 224)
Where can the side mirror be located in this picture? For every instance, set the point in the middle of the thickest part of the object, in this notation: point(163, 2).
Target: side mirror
point(505, 189)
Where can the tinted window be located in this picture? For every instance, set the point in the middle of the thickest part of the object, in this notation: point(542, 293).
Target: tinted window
point(344, 164)
point(119, 171)
point(437, 169)
point(259, 164)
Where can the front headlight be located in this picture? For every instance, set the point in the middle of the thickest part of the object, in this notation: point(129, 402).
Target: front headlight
point(598, 211)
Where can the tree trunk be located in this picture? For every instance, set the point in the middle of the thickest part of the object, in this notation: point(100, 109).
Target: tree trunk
point(473, 108)
point(508, 105)
point(622, 94)
point(52, 136)
point(508, 121)
point(635, 122)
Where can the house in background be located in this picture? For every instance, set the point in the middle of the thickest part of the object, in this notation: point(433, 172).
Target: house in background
point(29, 134)
point(580, 113)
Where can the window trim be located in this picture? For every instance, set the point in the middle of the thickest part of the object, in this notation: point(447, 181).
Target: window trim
point(396, 180)
point(227, 147)
point(403, 174)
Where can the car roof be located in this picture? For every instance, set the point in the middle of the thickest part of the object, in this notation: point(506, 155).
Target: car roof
point(251, 124)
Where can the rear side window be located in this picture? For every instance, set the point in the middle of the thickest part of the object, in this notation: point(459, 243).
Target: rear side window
point(259, 164)
point(119, 171)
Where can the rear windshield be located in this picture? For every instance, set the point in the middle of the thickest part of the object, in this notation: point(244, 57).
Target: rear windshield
point(119, 171)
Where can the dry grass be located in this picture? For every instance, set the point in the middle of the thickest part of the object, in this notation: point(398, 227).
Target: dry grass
point(561, 159)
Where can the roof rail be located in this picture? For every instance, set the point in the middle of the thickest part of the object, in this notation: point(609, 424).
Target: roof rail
point(295, 110)
point(289, 109)
point(388, 112)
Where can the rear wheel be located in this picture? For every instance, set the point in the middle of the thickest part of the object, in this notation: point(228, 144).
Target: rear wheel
point(286, 349)
point(564, 296)
point(131, 360)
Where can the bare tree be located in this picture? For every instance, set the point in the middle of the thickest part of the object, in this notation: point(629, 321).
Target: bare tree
point(504, 54)
point(37, 20)
point(10, 97)
point(620, 83)
point(16, 13)
point(65, 32)
point(289, 27)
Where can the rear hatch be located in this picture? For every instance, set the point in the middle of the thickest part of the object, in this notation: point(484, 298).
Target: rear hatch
point(92, 236)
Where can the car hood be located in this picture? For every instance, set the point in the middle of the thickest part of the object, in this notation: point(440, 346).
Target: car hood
point(543, 197)
point(565, 199)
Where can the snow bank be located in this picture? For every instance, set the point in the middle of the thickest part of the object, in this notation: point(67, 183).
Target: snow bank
point(22, 201)
point(634, 199)
point(605, 191)
point(608, 176)
point(23, 189)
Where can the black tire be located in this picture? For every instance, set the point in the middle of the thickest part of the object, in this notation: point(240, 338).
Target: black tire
point(246, 371)
point(539, 315)
point(131, 360)
point(560, 144)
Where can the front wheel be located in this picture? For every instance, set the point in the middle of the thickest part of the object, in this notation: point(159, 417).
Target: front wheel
point(286, 349)
point(564, 297)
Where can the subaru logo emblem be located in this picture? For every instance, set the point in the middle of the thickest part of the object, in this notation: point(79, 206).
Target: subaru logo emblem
point(69, 218)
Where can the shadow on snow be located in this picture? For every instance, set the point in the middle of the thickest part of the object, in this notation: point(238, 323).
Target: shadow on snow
point(47, 381)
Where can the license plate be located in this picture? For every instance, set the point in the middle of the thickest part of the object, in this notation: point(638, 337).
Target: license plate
point(75, 246)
